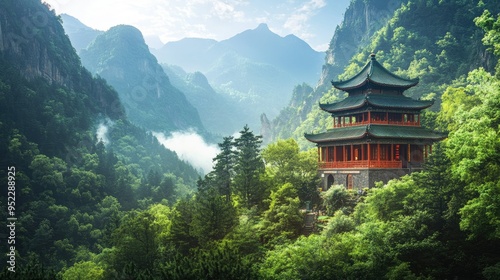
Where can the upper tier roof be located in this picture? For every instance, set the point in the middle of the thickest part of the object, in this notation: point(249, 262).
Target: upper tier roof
point(376, 74)
point(377, 100)
point(374, 131)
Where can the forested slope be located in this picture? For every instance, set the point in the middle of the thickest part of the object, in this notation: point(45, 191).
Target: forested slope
point(78, 161)
point(121, 56)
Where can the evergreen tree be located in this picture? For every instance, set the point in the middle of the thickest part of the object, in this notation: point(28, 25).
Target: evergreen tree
point(249, 168)
point(213, 216)
point(181, 232)
point(224, 166)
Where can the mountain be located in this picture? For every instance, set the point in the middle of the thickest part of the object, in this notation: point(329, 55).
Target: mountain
point(121, 56)
point(79, 34)
point(437, 42)
point(74, 160)
point(257, 67)
point(219, 113)
point(189, 53)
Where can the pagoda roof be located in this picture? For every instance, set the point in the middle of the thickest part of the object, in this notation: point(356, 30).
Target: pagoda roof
point(374, 131)
point(376, 74)
point(376, 100)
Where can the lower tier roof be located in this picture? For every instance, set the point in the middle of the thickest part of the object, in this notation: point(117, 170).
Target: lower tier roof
point(373, 131)
point(376, 100)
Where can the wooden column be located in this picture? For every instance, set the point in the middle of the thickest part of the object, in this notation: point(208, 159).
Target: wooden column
point(334, 153)
point(378, 152)
point(392, 152)
point(352, 152)
point(369, 155)
point(344, 153)
point(362, 152)
point(409, 152)
point(320, 154)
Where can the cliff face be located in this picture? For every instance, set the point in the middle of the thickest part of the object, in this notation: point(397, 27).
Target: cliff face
point(26, 43)
point(32, 39)
point(121, 56)
point(361, 20)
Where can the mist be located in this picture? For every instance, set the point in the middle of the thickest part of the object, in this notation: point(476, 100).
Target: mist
point(190, 147)
point(102, 131)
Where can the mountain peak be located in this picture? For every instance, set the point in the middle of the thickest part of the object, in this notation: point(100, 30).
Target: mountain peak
point(262, 26)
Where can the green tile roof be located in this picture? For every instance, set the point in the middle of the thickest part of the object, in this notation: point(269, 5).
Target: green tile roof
point(375, 131)
point(337, 134)
point(376, 100)
point(375, 73)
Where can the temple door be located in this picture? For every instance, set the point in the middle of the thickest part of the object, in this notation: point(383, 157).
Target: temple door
point(349, 182)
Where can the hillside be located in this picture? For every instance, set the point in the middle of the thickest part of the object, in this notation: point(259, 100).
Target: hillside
point(69, 146)
point(436, 42)
point(121, 56)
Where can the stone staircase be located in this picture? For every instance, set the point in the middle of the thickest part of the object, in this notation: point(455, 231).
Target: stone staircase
point(309, 220)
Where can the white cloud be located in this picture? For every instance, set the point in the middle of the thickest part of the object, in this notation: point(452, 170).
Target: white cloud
point(190, 147)
point(298, 21)
point(102, 131)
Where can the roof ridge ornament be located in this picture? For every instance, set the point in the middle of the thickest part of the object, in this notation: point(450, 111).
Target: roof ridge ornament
point(372, 56)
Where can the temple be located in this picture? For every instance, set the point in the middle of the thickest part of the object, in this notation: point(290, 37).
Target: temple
point(376, 133)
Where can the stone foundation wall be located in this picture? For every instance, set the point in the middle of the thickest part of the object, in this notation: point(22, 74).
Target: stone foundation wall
point(361, 178)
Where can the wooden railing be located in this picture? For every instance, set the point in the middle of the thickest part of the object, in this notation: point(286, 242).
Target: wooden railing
point(378, 122)
point(361, 164)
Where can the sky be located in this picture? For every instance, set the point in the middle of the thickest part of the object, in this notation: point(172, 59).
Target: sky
point(314, 21)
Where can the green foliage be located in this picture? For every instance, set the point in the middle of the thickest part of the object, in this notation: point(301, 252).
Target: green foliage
point(249, 168)
point(221, 261)
point(84, 270)
point(285, 163)
point(181, 232)
point(338, 198)
point(213, 217)
point(139, 238)
point(339, 223)
point(473, 151)
point(224, 167)
point(283, 219)
point(492, 37)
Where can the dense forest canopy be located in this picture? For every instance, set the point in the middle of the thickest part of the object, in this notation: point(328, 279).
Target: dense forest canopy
point(112, 203)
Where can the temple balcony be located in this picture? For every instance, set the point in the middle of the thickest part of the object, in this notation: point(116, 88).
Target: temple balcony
point(361, 164)
point(398, 119)
point(399, 123)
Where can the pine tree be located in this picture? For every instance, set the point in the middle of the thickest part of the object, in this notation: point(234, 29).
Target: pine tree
point(224, 167)
point(248, 168)
point(213, 215)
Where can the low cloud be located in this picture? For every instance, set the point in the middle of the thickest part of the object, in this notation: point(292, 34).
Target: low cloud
point(190, 147)
point(102, 131)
